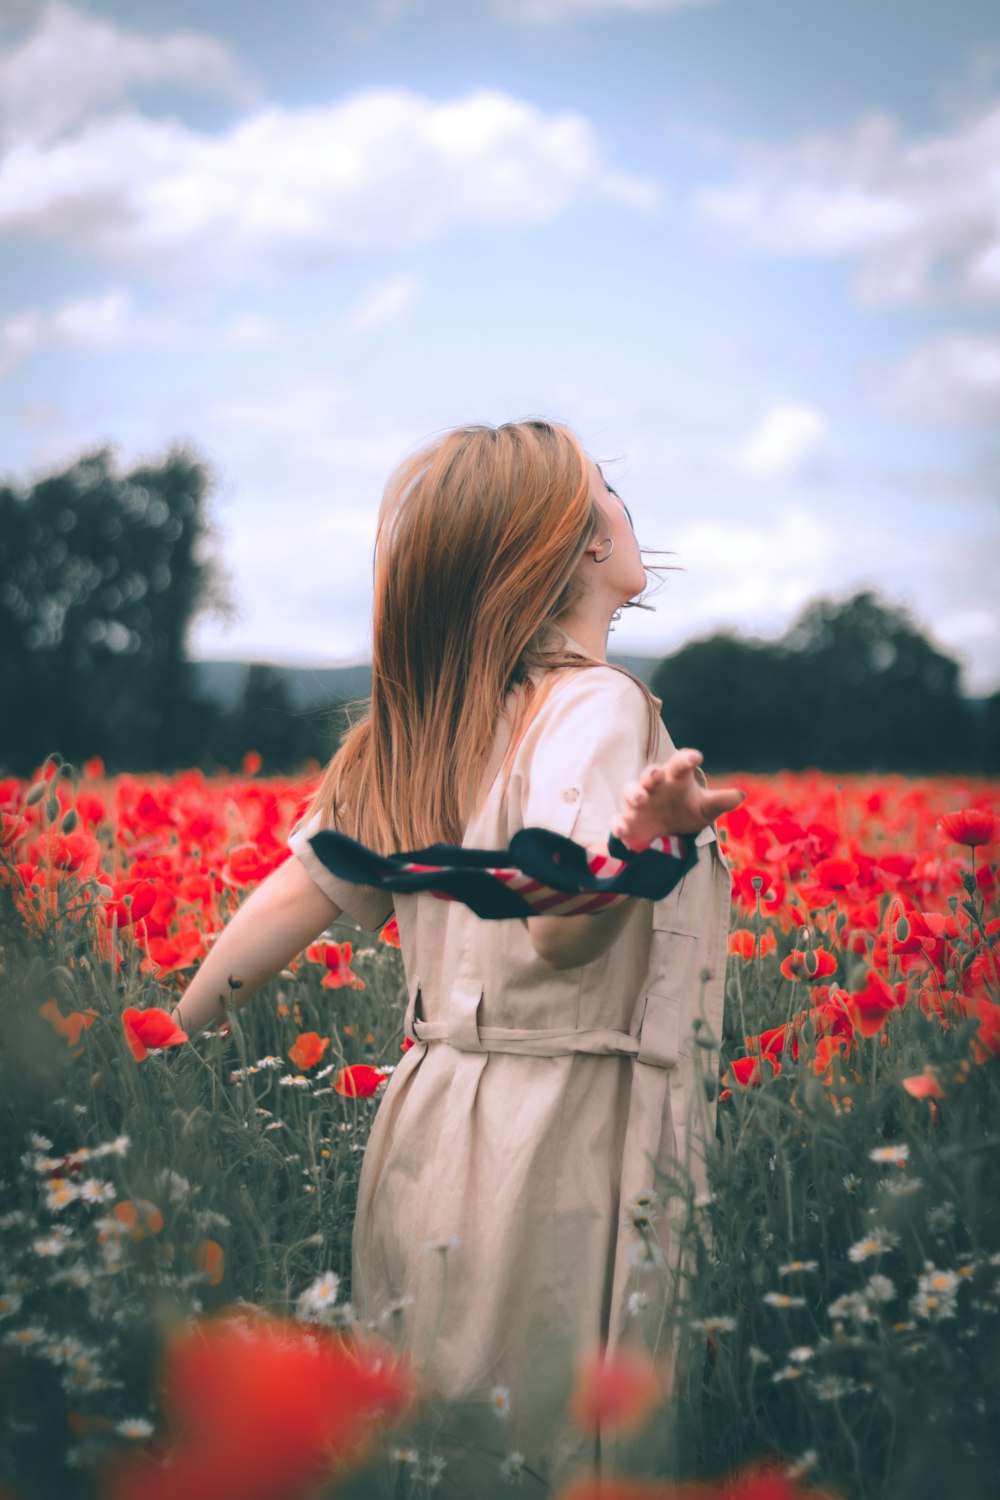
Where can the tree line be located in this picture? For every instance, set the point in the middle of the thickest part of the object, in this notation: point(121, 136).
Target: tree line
point(103, 573)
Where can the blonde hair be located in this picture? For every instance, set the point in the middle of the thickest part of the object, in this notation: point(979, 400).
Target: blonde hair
point(479, 536)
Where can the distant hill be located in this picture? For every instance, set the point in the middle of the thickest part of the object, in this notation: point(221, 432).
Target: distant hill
point(313, 687)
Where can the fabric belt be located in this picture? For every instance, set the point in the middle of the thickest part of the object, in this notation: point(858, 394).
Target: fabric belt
point(532, 1042)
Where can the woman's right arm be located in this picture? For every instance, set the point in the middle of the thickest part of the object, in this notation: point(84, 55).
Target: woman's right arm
point(285, 913)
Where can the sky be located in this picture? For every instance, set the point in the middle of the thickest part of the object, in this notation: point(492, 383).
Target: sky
point(748, 249)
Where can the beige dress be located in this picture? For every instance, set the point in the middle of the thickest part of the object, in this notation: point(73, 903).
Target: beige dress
point(494, 1221)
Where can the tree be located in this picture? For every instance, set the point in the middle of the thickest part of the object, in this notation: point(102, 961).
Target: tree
point(853, 685)
point(101, 575)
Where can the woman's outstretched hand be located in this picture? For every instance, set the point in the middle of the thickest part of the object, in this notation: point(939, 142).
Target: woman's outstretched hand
point(669, 799)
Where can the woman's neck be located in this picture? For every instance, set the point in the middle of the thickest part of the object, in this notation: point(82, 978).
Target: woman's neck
point(587, 631)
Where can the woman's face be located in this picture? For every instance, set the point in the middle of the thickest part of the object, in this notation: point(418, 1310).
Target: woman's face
point(624, 567)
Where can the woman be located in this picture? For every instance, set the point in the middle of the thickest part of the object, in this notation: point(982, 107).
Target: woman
point(552, 1072)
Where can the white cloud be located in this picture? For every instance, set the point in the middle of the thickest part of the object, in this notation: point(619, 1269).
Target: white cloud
point(102, 322)
point(920, 216)
point(73, 65)
point(953, 380)
point(786, 441)
point(384, 169)
point(385, 303)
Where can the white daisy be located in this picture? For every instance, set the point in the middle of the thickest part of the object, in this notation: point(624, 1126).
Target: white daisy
point(134, 1427)
point(500, 1401)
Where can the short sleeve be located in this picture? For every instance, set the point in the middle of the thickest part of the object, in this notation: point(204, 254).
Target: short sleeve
point(366, 904)
point(588, 739)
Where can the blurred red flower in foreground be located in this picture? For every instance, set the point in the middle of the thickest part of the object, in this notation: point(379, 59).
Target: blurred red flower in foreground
point(970, 825)
point(260, 1408)
point(359, 1081)
point(150, 1028)
point(615, 1392)
point(753, 1484)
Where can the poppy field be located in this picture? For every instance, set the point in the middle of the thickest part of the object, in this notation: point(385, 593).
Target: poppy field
point(175, 1214)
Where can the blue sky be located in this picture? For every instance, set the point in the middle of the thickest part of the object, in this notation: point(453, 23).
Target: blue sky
point(748, 249)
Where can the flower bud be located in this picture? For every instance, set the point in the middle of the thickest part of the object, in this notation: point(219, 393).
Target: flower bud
point(70, 819)
point(902, 930)
point(36, 793)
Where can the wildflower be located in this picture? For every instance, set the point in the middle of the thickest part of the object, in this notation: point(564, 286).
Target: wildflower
point(941, 1218)
point(757, 1356)
point(51, 1244)
point(901, 1189)
point(644, 1254)
point(870, 1007)
point(897, 1155)
point(150, 1030)
point(637, 1303)
point(850, 1181)
point(642, 1210)
point(801, 1353)
point(10, 1303)
point(850, 1305)
point(359, 1081)
point(880, 1289)
point(831, 1387)
point(93, 1190)
point(971, 826)
point(715, 1325)
point(40, 1142)
point(924, 1085)
point(512, 1467)
point(801, 1465)
point(500, 1402)
point(320, 1296)
point(783, 1300)
point(58, 1192)
point(790, 1372)
point(798, 1267)
point(436, 1466)
point(308, 1050)
point(134, 1427)
point(879, 1242)
point(293, 1080)
point(78, 1275)
point(24, 1338)
point(269, 1062)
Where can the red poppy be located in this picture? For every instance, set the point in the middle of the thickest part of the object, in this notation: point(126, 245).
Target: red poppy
point(70, 1026)
point(211, 1260)
point(742, 942)
point(798, 965)
point(252, 763)
point(924, 1085)
point(337, 958)
point(871, 1007)
point(390, 933)
point(130, 900)
point(970, 825)
point(308, 1050)
point(615, 1392)
point(150, 1029)
point(836, 874)
point(746, 1071)
point(359, 1081)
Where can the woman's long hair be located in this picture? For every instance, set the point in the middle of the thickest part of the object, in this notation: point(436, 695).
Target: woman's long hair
point(479, 534)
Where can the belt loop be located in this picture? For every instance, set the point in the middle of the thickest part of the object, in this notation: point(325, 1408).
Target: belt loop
point(413, 988)
point(463, 1007)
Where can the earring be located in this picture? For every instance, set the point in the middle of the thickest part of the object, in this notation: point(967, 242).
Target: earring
point(607, 539)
